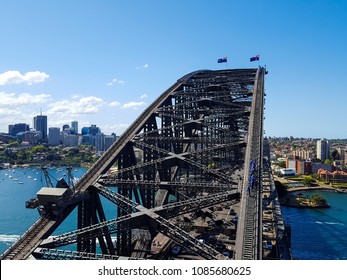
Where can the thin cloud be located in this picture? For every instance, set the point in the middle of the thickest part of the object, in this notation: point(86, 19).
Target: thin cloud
point(133, 105)
point(114, 104)
point(14, 100)
point(20, 108)
point(10, 114)
point(75, 96)
point(84, 105)
point(14, 115)
point(143, 96)
point(114, 82)
point(15, 77)
point(115, 128)
point(145, 66)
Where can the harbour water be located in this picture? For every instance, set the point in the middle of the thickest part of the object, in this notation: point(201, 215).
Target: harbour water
point(317, 234)
point(18, 185)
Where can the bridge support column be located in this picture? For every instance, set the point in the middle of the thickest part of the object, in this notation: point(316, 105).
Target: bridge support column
point(126, 159)
point(86, 217)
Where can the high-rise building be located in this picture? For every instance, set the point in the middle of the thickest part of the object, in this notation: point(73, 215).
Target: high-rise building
point(30, 137)
point(99, 142)
point(85, 130)
point(13, 129)
point(103, 142)
point(71, 140)
point(66, 127)
point(323, 149)
point(74, 127)
point(109, 140)
point(302, 154)
point(40, 124)
point(92, 136)
point(342, 154)
point(93, 129)
point(54, 136)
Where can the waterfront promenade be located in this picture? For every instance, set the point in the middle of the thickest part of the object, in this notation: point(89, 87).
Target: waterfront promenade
point(295, 186)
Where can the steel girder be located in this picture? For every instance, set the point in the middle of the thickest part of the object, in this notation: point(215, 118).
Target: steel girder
point(188, 141)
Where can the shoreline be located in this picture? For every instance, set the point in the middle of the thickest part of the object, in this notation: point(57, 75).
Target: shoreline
point(296, 200)
point(322, 188)
point(316, 188)
point(23, 165)
point(296, 204)
point(289, 186)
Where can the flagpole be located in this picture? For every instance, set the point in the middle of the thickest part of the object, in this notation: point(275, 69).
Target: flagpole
point(223, 60)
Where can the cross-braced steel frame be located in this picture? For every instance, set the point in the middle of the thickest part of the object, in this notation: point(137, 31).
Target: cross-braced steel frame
point(179, 156)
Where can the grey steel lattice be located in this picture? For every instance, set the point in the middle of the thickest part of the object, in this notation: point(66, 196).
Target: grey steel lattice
point(187, 144)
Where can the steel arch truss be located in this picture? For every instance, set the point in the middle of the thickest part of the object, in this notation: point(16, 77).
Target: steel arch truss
point(178, 156)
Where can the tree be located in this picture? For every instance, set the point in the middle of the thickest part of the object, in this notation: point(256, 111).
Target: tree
point(308, 181)
point(10, 154)
point(73, 152)
point(282, 164)
point(318, 200)
point(13, 144)
point(51, 156)
point(335, 155)
point(327, 161)
point(38, 149)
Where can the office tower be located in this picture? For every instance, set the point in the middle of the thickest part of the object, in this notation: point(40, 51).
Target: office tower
point(66, 127)
point(109, 140)
point(85, 130)
point(71, 140)
point(93, 129)
point(13, 129)
point(103, 142)
point(99, 142)
point(40, 124)
point(323, 149)
point(342, 154)
point(54, 136)
point(74, 127)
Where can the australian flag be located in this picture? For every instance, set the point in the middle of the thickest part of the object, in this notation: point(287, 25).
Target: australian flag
point(221, 60)
point(254, 58)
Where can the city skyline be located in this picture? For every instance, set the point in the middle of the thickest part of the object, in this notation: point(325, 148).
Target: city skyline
point(73, 125)
point(105, 62)
point(66, 135)
point(30, 127)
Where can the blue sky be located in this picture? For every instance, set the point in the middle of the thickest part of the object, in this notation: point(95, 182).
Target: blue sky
point(103, 62)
